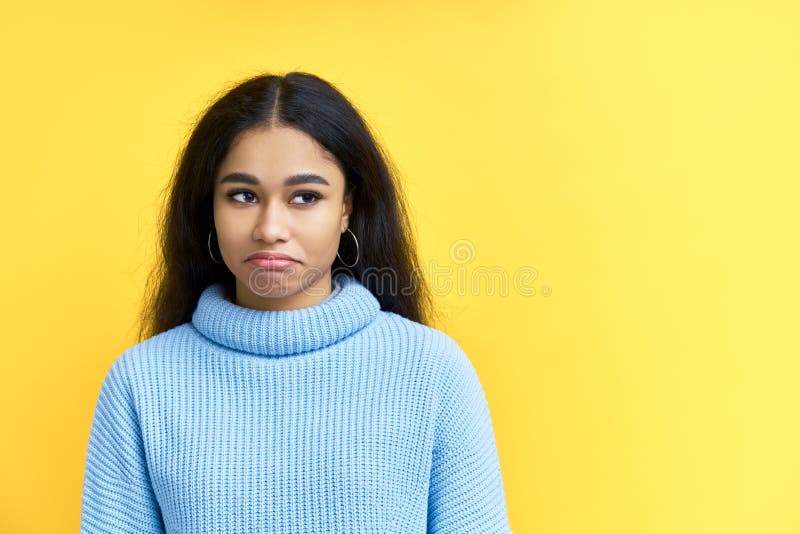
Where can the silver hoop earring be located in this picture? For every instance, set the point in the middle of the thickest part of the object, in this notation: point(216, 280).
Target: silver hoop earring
point(357, 250)
point(209, 248)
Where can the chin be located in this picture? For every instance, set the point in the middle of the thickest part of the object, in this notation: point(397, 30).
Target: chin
point(270, 283)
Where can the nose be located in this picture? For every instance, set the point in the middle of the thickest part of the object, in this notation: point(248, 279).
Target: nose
point(272, 224)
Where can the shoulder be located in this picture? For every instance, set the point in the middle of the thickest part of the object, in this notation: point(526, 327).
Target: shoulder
point(417, 331)
point(460, 401)
point(444, 352)
point(149, 356)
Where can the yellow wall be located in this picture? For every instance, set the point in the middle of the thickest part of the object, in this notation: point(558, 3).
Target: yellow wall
point(641, 156)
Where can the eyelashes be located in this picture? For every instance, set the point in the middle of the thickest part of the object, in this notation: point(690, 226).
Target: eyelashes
point(310, 197)
point(314, 196)
point(232, 194)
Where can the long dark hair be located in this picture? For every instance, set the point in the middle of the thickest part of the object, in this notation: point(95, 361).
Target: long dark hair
point(388, 264)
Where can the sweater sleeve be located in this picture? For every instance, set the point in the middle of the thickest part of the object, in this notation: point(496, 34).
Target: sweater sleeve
point(466, 487)
point(117, 494)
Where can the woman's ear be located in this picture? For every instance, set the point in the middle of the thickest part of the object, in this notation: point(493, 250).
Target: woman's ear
point(347, 208)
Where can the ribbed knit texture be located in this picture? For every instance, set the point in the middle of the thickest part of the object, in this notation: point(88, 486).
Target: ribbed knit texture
point(334, 418)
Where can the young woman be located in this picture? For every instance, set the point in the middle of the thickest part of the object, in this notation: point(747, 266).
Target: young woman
point(287, 378)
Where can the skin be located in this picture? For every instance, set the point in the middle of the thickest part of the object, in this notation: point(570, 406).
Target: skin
point(270, 216)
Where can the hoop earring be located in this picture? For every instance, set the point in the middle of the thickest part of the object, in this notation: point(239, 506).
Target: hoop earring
point(357, 250)
point(209, 248)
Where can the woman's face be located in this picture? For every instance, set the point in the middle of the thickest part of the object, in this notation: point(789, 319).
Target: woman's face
point(279, 191)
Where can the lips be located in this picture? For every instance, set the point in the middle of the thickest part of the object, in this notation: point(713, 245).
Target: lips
point(272, 263)
point(271, 260)
point(270, 255)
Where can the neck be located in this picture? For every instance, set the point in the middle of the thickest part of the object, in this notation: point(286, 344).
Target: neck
point(295, 298)
point(347, 310)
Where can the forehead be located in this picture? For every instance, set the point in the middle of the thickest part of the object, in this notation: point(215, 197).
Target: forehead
point(275, 152)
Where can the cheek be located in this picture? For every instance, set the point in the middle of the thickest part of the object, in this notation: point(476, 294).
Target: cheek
point(322, 238)
point(230, 227)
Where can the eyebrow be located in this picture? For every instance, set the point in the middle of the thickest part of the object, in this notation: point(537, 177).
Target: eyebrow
point(296, 179)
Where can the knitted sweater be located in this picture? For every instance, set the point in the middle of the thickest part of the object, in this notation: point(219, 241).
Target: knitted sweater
point(338, 417)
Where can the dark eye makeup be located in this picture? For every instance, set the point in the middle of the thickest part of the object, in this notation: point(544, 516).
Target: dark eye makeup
point(310, 197)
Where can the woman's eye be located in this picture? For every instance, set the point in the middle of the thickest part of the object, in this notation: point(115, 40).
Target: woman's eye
point(234, 194)
point(308, 197)
point(248, 197)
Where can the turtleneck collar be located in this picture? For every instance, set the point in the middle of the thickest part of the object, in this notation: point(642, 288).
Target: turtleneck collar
point(349, 308)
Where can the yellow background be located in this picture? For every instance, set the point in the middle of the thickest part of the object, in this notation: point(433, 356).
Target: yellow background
point(641, 156)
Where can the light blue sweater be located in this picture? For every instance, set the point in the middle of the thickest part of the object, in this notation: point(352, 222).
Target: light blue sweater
point(334, 418)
